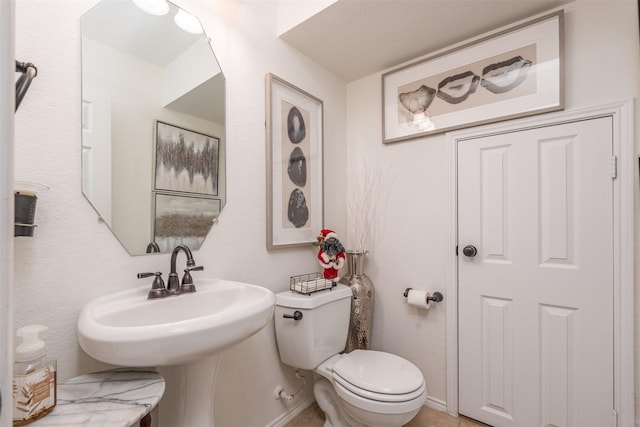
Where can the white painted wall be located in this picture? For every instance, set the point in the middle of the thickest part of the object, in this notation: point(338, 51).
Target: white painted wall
point(74, 258)
point(602, 65)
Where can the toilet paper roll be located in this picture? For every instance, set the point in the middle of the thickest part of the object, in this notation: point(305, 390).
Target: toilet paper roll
point(418, 299)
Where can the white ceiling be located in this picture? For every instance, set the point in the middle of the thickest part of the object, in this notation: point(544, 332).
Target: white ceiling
point(356, 38)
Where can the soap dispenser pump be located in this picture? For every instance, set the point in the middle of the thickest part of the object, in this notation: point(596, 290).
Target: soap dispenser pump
point(34, 377)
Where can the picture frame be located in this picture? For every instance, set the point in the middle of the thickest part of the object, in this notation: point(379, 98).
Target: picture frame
point(185, 160)
point(514, 72)
point(294, 157)
point(182, 219)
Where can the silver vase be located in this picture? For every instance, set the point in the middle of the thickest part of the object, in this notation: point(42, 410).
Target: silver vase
point(361, 303)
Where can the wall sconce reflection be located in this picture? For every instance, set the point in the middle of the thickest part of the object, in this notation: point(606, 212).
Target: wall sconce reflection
point(417, 102)
point(153, 7)
point(188, 22)
point(423, 121)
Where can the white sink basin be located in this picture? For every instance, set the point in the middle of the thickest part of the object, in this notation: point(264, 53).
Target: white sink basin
point(125, 328)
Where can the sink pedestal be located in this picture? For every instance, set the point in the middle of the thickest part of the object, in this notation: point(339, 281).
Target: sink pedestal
point(188, 397)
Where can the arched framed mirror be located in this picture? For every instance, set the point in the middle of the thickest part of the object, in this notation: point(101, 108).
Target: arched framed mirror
point(153, 126)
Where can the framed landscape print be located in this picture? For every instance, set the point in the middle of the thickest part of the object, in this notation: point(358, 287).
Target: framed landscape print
point(185, 160)
point(182, 219)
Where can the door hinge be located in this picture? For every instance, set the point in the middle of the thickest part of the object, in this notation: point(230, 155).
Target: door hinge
point(614, 167)
point(614, 418)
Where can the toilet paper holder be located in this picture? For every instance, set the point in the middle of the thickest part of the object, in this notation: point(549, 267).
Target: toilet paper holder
point(436, 297)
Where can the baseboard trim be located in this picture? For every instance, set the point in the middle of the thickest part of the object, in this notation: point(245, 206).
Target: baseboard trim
point(283, 419)
point(437, 404)
point(293, 412)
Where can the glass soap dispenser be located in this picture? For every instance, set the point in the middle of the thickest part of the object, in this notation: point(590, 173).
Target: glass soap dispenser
point(34, 378)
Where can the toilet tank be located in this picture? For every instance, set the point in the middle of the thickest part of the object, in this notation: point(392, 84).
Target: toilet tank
point(322, 330)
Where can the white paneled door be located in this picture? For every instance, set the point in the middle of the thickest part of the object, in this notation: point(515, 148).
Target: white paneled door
point(535, 234)
point(96, 149)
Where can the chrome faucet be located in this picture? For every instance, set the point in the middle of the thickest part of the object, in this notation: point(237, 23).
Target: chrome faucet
point(153, 248)
point(173, 285)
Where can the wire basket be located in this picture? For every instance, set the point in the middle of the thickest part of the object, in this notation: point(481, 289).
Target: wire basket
point(309, 283)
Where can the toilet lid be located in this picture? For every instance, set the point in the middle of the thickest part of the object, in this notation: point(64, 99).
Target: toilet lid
point(348, 391)
point(379, 372)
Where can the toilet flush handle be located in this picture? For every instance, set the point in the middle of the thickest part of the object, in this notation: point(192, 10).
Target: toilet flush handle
point(297, 315)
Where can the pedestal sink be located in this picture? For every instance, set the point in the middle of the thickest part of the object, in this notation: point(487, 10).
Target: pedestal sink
point(182, 334)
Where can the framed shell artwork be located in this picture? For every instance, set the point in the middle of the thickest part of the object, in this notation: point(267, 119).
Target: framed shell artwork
point(294, 128)
point(512, 72)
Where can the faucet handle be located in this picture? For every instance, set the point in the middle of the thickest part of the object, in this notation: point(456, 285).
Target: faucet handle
point(187, 281)
point(157, 287)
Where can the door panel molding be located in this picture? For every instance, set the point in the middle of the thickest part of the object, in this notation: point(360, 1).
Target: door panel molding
point(497, 357)
point(557, 201)
point(557, 395)
point(623, 148)
point(494, 162)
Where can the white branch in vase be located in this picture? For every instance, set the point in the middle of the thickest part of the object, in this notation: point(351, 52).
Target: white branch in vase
point(361, 207)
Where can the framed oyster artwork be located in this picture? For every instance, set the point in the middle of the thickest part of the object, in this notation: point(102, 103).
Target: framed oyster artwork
point(512, 72)
point(294, 127)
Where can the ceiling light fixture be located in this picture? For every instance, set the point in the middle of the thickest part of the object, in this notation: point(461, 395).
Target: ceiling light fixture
point(188, 22)
point(153, 7)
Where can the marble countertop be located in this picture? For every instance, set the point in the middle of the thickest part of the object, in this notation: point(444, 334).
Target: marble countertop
point(115, 398)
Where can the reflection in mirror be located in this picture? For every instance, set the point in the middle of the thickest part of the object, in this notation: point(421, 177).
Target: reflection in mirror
point(153, 126)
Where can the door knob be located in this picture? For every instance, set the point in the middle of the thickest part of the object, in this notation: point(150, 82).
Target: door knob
point(470, 251)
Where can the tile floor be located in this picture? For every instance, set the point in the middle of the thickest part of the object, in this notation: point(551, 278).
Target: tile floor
point(427, 417)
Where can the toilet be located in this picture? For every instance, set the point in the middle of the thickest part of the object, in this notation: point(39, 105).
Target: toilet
point(357, 389)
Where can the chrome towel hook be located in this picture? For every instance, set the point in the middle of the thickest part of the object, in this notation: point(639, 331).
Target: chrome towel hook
point(28, 72)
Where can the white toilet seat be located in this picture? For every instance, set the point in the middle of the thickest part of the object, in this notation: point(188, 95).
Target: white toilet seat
point(379, 382)
point(377, 372)
point(380, 397)
point(380, 407)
